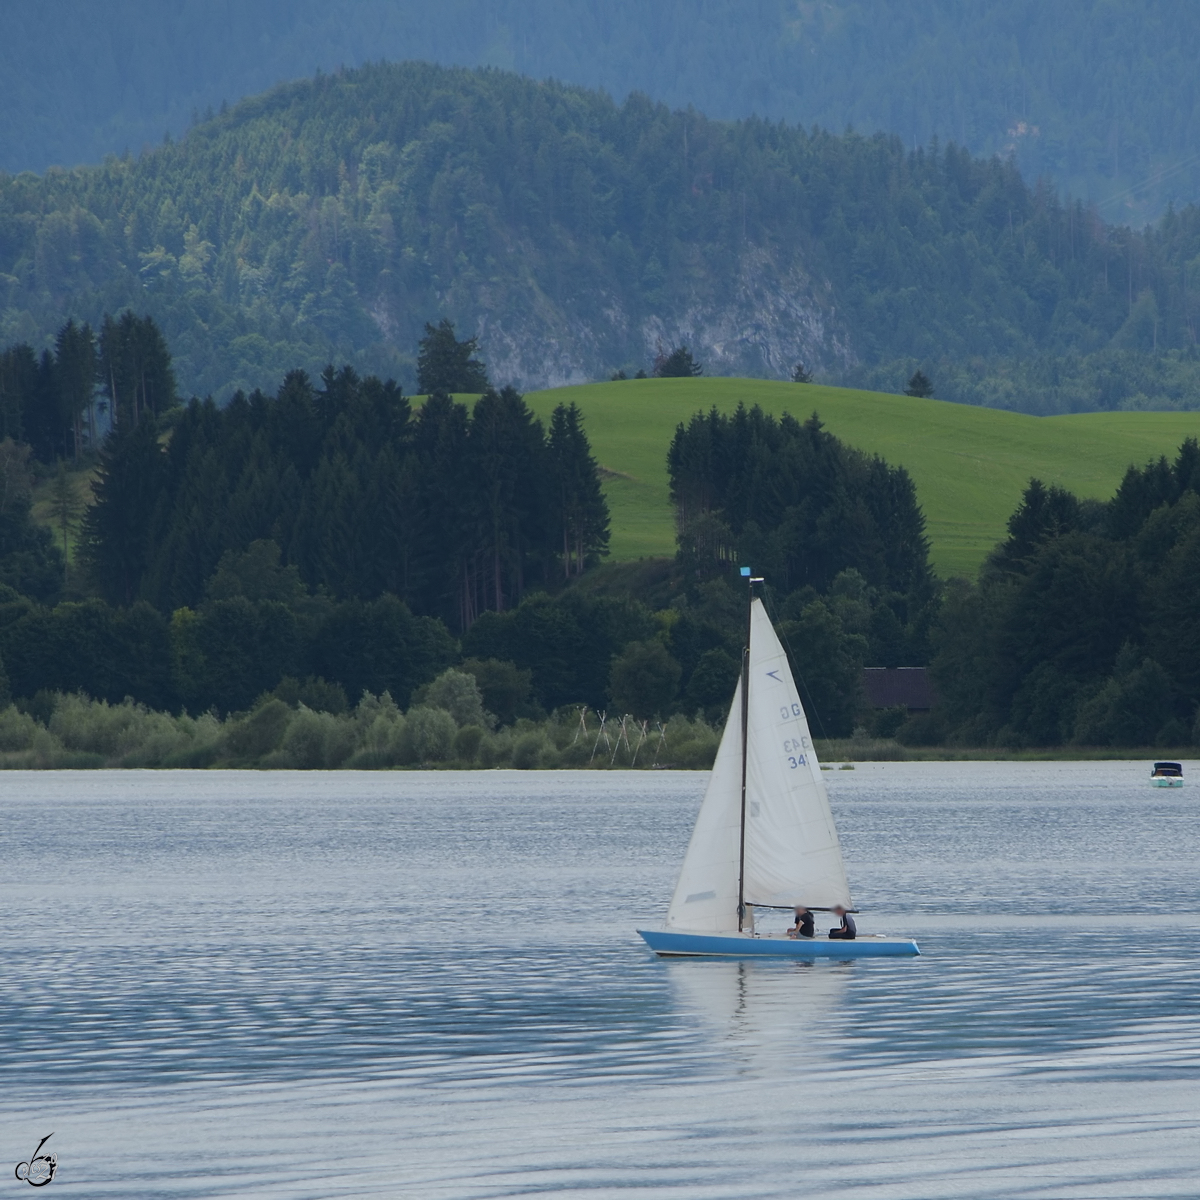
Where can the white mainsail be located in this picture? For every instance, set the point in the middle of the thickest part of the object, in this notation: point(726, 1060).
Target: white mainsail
point(792, 852)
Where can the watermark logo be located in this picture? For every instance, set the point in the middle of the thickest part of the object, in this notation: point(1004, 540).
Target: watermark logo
point(40, 1168)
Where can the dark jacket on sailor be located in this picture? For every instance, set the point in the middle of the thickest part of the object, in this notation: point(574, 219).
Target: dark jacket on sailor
point(847, 929)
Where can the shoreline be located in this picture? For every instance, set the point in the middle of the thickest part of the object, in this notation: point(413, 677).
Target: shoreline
point(833, 752)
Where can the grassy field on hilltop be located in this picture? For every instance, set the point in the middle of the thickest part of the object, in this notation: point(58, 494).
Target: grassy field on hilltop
point(969, 464)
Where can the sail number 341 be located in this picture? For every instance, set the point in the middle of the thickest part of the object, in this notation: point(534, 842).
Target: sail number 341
point(794, 749)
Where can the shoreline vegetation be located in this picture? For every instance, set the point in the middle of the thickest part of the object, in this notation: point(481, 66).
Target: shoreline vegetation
point(446, 729)
point(75, 732)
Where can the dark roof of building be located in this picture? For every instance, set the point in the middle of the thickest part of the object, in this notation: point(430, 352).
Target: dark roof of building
point(891, 687)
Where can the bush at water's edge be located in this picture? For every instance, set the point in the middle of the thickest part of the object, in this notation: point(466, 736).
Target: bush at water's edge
point(75, 731)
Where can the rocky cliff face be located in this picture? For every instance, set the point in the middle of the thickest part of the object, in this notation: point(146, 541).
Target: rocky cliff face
point(769, 320)
point(760, 325)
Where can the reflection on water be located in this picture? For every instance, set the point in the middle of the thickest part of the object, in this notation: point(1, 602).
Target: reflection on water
point(429, 985)
point(775, 1017)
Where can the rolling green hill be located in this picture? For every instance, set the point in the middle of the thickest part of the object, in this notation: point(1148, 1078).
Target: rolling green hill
point(969, 464)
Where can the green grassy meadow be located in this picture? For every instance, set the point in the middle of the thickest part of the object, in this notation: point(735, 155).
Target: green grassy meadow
point(970, 464)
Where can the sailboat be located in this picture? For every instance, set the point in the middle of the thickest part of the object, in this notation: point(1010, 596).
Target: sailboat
point(764, 837)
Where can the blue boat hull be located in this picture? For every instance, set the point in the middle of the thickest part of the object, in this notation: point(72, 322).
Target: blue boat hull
point(707, 945)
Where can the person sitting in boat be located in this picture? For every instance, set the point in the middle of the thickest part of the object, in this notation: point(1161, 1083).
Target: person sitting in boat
point(847, 931)
point(804, 924)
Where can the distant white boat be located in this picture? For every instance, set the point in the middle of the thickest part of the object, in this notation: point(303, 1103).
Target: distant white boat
point(764, 837)
point(1167, 774)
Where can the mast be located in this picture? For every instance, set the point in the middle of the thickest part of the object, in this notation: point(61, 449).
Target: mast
point(741, 911)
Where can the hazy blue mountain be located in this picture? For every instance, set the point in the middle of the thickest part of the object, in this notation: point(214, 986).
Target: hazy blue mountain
point(1100, 95)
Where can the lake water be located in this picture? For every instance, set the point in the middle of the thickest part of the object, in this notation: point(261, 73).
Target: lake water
point(429, 985)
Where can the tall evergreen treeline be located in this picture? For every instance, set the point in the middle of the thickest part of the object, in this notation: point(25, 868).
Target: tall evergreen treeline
point(454, 510)
point(324, 220)
point(796, 500)
point(804, 508)
point(64, 399)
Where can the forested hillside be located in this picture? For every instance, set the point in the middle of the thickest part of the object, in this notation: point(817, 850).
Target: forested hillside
point(331, 219)
point(1098, 95)
point(1084, 626)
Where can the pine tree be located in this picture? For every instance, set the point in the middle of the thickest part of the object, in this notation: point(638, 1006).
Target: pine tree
point(338, 392)
point(116, 531)
point(800, 374)
point(42, 420)
point(1044, 513)
point(506, 467)
point(919, 385)
point(678, 364)
point(444, 364)
point(453, 510)
point(440, 576)
point(582, 511)
point(18, 383)
point(77, 363)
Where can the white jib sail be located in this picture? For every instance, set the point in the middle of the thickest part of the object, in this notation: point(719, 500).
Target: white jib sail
point(706, 896)
point(792, 850)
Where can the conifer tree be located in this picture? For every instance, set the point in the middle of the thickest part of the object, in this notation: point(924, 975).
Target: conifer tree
point(116, 531)
point(506, 466)
point(444, 364)
point(29, 561)
point(678, 364)
point(76, 362)
point(919, 385)
point(18, 384)
point(582, 511)
point(1044, 513)
point(42, 419)
point(441, 574)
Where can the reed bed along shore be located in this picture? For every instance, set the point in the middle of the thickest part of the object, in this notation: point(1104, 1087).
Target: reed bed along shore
point(76, 732)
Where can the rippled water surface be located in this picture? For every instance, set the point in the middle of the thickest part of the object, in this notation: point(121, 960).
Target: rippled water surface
point(429, 985)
